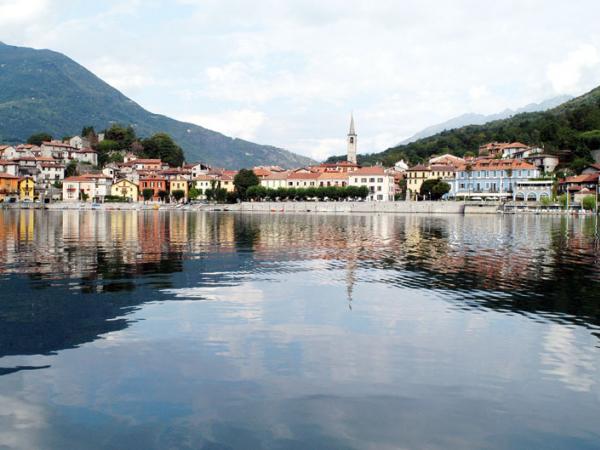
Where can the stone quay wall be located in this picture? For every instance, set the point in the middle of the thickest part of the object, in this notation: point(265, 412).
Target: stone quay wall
point(352, 207)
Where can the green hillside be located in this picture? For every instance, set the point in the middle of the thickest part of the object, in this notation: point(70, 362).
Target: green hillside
point(572, 128)
point(42, 90)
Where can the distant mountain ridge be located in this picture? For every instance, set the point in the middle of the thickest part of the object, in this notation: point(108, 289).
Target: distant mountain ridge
point(480, 119)
point(45, 91)
point(571, 130)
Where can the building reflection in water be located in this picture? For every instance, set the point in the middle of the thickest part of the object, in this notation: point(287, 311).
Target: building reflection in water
point(527, 265)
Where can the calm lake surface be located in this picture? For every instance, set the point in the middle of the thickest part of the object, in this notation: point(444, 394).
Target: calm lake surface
point(168, 330)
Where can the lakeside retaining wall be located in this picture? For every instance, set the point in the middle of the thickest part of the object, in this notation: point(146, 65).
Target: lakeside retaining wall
point(352, 207)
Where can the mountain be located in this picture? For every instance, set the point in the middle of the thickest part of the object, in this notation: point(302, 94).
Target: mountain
point(480, 119)
point(45, 91)
point(571, 129)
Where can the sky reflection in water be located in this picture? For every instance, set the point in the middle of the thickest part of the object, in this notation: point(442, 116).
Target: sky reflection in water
point(185, 330)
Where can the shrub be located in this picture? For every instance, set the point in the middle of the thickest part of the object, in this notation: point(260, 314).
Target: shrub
point(589, 203)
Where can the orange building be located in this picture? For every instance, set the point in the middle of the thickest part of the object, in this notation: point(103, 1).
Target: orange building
point(156, 183)
point(9, 186)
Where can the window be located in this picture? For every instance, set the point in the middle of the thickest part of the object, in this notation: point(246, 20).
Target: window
point(363, 180)
point(380, 180)
point(371, 180)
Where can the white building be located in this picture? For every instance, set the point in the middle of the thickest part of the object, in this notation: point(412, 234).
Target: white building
point(86, 155)
point(9, 167)
point(275, 180)
point(79, 142)
point(401, 166)
point(50, 173)
point(380, 184)
point(8, 152)
point(57, 150)
point(94, 186)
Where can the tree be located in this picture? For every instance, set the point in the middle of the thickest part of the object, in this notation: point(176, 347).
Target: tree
point(231, 197)
point(88, 131)
point(39, 138)
point(124, 136)
point(221, 195)
point(244, 179)
point(439, 190)
point(71, 169)
point(434, 189)
point(163, 195)
point(578, 164)
point(178, 195)
point(589, 202)
point(161, 146)
point(108, 145)
point(194, 193)
point(148, 194)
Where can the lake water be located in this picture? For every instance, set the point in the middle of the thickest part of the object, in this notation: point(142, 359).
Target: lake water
point(168, 330)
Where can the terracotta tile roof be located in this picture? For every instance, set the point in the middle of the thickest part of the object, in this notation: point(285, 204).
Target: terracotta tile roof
point(80, 179)
point(419, 168)
point(146, 161)
point(498, 164)
point(57, 144)
point(277, 176)
point(587, 178)
point(303, 176)
point(375, 170)
point(260, 172)
point(8, 177)
point(7, 162)
point(335, 175)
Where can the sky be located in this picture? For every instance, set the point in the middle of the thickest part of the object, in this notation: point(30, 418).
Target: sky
point(289, 73)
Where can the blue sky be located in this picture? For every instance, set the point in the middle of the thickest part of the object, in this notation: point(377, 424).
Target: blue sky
point(288, 73)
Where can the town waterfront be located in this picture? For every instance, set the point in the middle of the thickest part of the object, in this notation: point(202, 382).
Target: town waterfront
point(186, 329)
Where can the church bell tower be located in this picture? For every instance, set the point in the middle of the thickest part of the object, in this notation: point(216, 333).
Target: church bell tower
point(352, 142)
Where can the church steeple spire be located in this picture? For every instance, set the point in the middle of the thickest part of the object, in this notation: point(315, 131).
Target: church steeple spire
point(352, 142)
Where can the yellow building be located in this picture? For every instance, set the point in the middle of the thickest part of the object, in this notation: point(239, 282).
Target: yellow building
point(417, 175)
point(179, 184)
point(125, 188)
point(26, 189)
point(9, 186)
point(227, 183)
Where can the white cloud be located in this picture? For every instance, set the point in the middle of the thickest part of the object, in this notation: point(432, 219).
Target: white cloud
point(567, 75)
point(305, 65)
point(14, 12)
point(242, 124)
point(121, 75)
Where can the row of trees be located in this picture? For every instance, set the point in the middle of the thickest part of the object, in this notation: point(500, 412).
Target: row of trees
point(148, 194)
point(311, 193)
